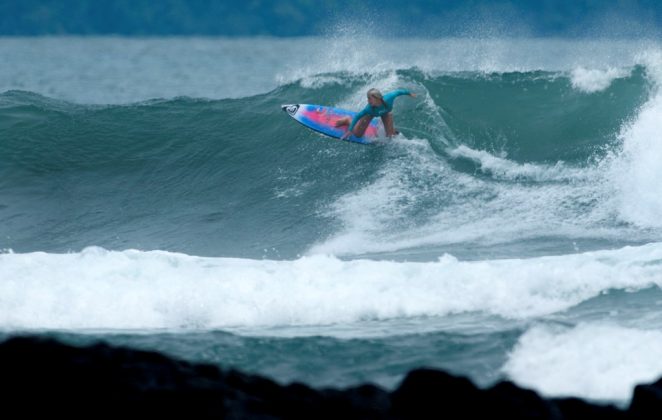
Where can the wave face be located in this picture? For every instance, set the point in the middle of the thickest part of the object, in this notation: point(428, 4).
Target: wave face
point(489, 159)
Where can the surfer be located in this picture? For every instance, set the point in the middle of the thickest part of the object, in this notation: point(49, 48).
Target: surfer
point(378, 106)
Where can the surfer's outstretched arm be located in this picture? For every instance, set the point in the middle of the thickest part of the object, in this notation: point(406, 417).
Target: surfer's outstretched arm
point(390, 97)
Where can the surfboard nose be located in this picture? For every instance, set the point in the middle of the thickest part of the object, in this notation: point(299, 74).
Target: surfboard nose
point(290, 108)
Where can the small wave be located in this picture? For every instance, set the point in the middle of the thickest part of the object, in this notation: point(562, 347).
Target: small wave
point(131, 289)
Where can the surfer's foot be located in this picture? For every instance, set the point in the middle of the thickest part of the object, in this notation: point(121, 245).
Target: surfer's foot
point(395, 133)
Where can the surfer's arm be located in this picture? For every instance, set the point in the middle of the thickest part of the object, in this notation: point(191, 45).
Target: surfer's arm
point(398, 92)
point(390, 97)
point(357, 117)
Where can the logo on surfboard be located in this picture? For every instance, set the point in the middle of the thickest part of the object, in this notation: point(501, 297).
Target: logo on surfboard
point(291, 109)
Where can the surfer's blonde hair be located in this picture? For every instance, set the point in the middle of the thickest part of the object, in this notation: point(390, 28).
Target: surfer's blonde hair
point(375, 93)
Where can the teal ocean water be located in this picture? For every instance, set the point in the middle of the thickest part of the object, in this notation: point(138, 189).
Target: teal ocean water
point(153, 194)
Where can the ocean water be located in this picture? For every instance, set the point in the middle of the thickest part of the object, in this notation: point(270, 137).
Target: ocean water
point(153, 194)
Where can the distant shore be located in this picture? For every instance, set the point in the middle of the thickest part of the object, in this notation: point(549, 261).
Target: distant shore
point(569, 18)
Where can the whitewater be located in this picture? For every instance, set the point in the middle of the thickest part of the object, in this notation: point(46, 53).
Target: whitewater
point(153, 194)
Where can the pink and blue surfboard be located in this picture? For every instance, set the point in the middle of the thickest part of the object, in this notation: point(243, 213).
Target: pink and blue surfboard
point(323, 120)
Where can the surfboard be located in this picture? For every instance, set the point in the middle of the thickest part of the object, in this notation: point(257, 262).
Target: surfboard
point(323, 119)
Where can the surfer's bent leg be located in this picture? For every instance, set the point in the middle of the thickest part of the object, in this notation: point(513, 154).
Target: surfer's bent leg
point(343, 121)
point(362, 125)
point(387, 119)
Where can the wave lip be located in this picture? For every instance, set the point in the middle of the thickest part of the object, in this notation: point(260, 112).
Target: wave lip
point(595, 80)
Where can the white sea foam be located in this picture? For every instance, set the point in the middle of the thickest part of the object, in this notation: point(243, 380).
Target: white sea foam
point(635, 169)
point(595, 80)
point(596, 361)
point(461, 208)
point(319, 81)
point(96, 288)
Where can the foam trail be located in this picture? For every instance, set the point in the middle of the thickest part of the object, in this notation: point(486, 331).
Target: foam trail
point(461, 208)
point(96, 288)
point(596, 361)
point(503, 168)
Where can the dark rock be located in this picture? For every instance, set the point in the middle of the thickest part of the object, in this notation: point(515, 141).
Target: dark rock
point(576, 409)
point(514, 402)
point(647, 401)
point(424, 391)
point(42, 377)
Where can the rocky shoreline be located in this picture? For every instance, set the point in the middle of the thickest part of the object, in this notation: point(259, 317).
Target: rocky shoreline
point(44, 377)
